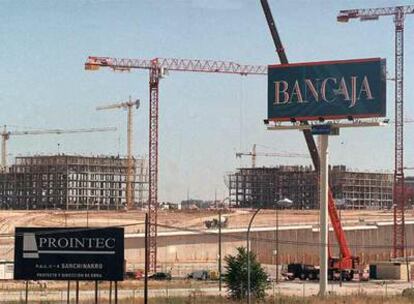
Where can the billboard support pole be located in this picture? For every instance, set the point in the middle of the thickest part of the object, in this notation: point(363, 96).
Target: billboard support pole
point(324, 131)
point(110, 292)
point(323, 199)
point(116, 292)
point(68, 294)
point(96, 292)
point(27, 292)
point(77, 292)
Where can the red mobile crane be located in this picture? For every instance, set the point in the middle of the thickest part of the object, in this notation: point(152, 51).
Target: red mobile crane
point(157, 68)
point(346, 263)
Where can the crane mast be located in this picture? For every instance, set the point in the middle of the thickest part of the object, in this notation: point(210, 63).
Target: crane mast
point(157, 68)
point(129, 105)
point(398, 12)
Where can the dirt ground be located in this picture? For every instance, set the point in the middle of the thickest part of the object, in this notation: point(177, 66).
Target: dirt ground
point(133, 220)
point(174, 220)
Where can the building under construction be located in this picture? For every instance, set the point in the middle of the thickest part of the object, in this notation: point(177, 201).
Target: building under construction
point(252, 187)
point(71, 182)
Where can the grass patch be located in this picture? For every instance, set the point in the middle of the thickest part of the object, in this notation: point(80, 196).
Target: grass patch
point(199, 298)
point(351, 299)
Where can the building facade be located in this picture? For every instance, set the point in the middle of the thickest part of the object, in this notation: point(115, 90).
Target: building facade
point(71, 182)
point(252, 187)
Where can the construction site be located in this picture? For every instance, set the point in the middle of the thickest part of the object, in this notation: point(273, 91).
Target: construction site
point(254, 187)
point(69, 182)
point(149, 203)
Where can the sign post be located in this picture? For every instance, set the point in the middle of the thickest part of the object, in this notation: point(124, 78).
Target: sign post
point(27, 292)
point(320, 91)
point(69, 254)
point(77, 293)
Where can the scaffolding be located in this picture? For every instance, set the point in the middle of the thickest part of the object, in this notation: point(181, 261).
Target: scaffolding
point(254, 187)
point(71, 182)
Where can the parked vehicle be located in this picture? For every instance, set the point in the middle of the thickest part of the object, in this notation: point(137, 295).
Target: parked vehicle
point(198, 275)
point(134, 275)
point(214, 275)
point(301, 271)
point(311, 272)
point(129, 275)
point(160, 276)
point(214, 223)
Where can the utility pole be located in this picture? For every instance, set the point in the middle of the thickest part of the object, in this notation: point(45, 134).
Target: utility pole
point(219, 250)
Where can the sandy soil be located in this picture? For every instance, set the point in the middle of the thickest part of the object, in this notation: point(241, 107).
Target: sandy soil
point(133, 220)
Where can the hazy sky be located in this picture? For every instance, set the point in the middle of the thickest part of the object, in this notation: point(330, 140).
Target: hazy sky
point(204, 118)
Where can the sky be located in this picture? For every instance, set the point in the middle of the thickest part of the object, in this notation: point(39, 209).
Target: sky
point(204, 118)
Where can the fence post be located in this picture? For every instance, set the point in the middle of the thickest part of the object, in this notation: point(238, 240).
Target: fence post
point(303, 290)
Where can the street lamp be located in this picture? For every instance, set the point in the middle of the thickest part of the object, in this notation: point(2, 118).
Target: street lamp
point(248, 253)
point(282, 203)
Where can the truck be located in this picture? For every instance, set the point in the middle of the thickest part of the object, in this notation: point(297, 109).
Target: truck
point(311, 272)
point(198, 275)
point(301, 271)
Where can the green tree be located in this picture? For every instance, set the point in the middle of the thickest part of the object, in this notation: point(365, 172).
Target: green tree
point(235, 276)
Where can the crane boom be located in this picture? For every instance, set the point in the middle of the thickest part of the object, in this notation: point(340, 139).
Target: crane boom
point(254, 154)
point(374, 13)
point(276, 154)
point(174, 64)
point(157, 68)
point(5, 135)
point(121, 105)
point(60, 131)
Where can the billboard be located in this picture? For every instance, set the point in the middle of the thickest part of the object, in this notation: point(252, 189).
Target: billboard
point(69, 254)
point(327, 90)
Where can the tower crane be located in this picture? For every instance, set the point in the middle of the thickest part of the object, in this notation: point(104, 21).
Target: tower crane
point(347, 260)
point(129, 105)
point(399, 13)
point(5, 135)
point(157, 68)
point(254, 154)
